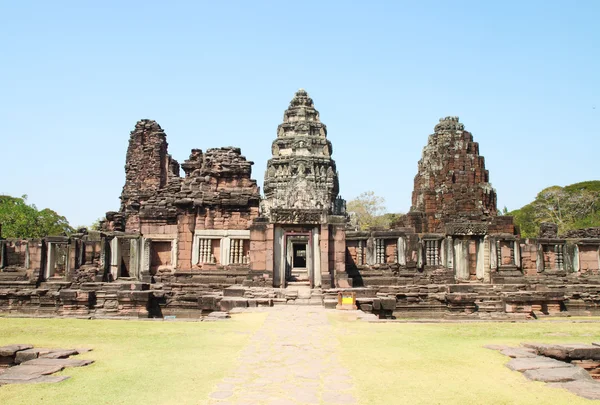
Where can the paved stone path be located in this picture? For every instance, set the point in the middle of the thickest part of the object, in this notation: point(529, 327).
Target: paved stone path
point(292, 360)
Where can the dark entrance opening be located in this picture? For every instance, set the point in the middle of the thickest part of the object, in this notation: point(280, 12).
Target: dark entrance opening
point(299, 258)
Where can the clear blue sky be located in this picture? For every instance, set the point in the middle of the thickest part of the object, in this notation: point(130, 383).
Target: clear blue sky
point(76, 76)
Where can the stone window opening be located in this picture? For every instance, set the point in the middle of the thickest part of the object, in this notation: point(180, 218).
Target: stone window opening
point(432, 252)
point(386, 251)
point(58, 260)
point(553, 256)
point(206, 253)
point(380, 251)
point(238, 251)
point(505, 253)
point(361, 252)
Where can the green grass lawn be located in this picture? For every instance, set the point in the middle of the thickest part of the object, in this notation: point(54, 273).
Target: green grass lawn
point(409, 363)
point(136, 362)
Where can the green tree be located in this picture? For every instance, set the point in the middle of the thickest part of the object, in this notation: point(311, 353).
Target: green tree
point(21, 220)
point(368, 211)
point(571, 207)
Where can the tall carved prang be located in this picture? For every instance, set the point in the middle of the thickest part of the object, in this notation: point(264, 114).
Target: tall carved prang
point(301, 176)
point(452, 184)
point(148, 168)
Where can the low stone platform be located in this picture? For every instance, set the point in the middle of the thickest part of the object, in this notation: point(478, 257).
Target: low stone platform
point(24, 364)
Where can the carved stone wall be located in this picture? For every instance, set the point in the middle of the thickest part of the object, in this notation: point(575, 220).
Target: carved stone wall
point(301, 174)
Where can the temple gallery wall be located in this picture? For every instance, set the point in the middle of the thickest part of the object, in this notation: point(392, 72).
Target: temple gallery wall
point(210, 241)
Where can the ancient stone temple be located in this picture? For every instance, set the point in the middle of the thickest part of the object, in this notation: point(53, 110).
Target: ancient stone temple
point(205, 240)
point(303, 219)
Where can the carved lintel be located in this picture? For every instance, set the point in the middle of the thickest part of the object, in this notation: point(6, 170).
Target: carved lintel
point(467, 228)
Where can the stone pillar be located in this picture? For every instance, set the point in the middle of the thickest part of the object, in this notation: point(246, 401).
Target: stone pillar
point(401, 251)
point(493, 254)
point(370, 254)
point(185, 242)
point(145, 273)
point(487, 255)
point(339, 256)
point(449, 252)
point(269, 252)
point(316, 258)
point(517, 245)
point(134, 258)
point(576, 258)
point(326, 275)
point(461, 252)
point(420, 258)
point(115, 256)
point(540, 259)
point(2, 254)
point(278, 258)
point(479, 269)
point(51, 262)
point(258, 247)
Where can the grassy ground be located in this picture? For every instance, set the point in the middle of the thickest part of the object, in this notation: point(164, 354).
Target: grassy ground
point(404, 363)
point(135, 362)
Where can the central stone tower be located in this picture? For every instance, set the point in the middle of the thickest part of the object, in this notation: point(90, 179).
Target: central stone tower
point(299, 238)
point(301, 179)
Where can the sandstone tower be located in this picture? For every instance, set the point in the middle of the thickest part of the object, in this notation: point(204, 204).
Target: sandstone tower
point(148, 168)
point(452, 184)
point(300, 235)
point(301, 175)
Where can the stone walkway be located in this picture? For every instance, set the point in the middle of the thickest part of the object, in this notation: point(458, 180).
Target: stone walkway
point(292, 360)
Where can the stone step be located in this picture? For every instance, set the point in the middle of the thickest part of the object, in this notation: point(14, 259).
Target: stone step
point(305, 301)
point(234, 291)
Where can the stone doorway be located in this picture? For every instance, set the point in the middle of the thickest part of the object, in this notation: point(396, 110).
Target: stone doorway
point(469, 258)
point(298, 258)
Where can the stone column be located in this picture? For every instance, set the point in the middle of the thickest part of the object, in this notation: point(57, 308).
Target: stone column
point(134, 258)
point(480, 265)
point(258, 247)
point(461, 251)
point(278, 258)
point(316, 257)
point(540, 258)
point(2, 254)
point(449, 252)
point(324, 241)
point(401, 251)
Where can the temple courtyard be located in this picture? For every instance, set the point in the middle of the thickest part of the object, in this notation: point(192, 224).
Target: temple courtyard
point(291, 355)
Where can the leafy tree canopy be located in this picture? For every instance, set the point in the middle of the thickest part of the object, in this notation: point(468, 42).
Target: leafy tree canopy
point(368, 211)
point(22, 220)
point(571, 207)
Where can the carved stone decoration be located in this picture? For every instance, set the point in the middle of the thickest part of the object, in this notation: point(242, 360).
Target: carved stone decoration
point(291, 216)
point(460, 229)
point(308, 178)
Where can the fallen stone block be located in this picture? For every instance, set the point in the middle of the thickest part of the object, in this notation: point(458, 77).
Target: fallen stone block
point(10, 350)
point(566, 352)
point(216, 315)
point(59, 354)
point(26, 373)
point(58, 362)
point(518, 352)
point(562, 374)
point(584, 388)
point(534, 363)
point(37, 380)
point(30, 354)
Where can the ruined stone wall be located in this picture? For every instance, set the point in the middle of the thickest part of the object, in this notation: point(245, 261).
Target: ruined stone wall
point(148, 168)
